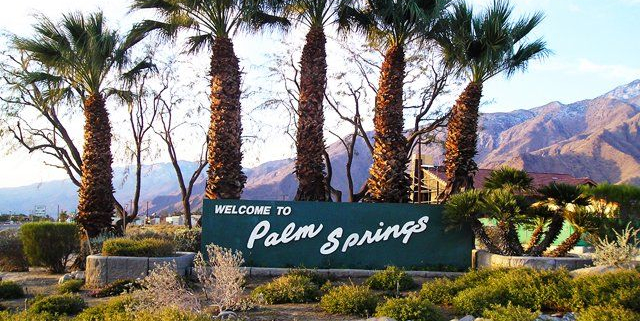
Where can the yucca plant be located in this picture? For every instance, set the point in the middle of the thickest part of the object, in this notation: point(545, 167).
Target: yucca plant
point(82, 56)
point(391, 25)
point(479, 47)
point(465, 208)
point(561, 199)
point(213, 23)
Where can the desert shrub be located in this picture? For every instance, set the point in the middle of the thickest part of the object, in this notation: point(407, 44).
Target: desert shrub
point(12, 257)
point(50, 244)
point(10, 290)
point(510, 313)
point(614, 288)
point(151, 247)
point(390, 279)
point(288, 289)
point(70, 286)
point(315, 277)
point(187, 240)
point(410, 308)
point(349, 299)
point(443, 290)
point(60, 304)
point(620, 251)
point(28, 316)
point(607, 313)
point(532, 289)
point(116, 288)
point(163, 287)
point(113, 308)
point(223, 282)
point(97, 242)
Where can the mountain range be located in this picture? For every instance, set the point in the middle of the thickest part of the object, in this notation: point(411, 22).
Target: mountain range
point(597, 138)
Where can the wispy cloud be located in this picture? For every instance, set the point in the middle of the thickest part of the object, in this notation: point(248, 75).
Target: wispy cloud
point(620, 72)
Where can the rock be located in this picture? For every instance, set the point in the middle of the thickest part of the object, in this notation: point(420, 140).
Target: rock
point(468, 318)
point(65, 278)
point(77, 275)
point(380, 319)
point(594, 270)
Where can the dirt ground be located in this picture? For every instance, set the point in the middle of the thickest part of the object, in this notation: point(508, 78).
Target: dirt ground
point(40, 282)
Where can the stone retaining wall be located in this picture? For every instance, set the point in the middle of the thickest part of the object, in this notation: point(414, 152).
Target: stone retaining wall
point(101, 270)
point(483, 259)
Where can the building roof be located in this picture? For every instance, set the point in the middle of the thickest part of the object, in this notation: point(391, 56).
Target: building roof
point(539, 179)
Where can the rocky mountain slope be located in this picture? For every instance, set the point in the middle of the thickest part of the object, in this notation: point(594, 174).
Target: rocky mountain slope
point(598, 138)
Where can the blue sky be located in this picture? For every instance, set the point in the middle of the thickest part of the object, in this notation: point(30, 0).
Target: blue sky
point(594, 42)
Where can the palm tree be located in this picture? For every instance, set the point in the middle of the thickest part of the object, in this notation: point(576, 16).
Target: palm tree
point(214, 22)
point(479, 47)
point(561, 199)
point(465, 208)
point(393, 25)
point(583, 220)
point(85, 56)
point(310, 167)
point(509, 210)
point(509, 178)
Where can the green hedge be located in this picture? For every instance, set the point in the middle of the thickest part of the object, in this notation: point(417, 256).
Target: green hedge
point(510, 313)
point(409, 309)
point(146, 247)
point(614, 288)
point(607, 313)
point(59, 304)
point(50, 244)
point(350, 299)
point(10, 290)
point(12, 258)
point(391, 279)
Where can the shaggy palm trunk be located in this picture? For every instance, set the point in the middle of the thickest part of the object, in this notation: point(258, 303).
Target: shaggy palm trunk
point(460, 146)
point(509, 241)
point(566, 246)
point(312, 184)
point(535, 237)
point(388, 181)
point(95, 199)
point(478, 230)
point(553, 231)
point(225, 179)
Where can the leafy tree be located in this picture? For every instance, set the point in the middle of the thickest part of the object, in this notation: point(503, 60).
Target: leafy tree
point(479, 47)
point(214, 22)
point(84, 57)
point(391, 25)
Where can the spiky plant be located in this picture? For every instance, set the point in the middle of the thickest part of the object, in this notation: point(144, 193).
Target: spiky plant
point(85, 57)
point(465, 208)
point(513, 179)
point(538, 219)
point(310, 167)
point(560, 199)
point(509, 211)
point(583, 220)
point(213, 23)
point(479, 47)
point(391, 25)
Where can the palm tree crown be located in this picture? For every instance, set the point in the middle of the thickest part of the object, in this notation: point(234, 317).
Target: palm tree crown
point(482, 46)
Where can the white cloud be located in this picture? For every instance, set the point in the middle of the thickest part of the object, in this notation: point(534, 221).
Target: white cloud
point(619, 72)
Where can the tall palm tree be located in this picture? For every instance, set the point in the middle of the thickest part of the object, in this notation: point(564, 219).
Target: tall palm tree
point(561, 199)
point(479, 47)
point(85, 56)
point(214, 22)
point(310, 167)
point(391, 24)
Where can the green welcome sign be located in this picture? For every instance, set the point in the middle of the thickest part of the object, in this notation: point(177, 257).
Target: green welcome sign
point(335, 235)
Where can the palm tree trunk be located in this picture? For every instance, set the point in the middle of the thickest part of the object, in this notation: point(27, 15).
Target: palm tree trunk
point(462, 135)
point(478, 230)
point(95, 199)
point(312, 184)
point(225, 179)
point(553, 231)
point(566, 246)
point(388, 181)
point(535, 237)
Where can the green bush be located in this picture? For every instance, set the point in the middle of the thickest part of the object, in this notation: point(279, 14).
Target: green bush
point(510, 313)
point(607, 313)
point(615, 288)
point(410, 308)
point(28, 316)
point(10, 290)
point(391, 279)
point(49, 244)
point(70, 286)
point(315, 277)
point(288, 289)
point(532, 289)
point(116, 288)
point(113, 308)
point(349, 299)
point(12, 257)
point(147, 247)
point(442, 290)
point(60, 304)
point(187, 240)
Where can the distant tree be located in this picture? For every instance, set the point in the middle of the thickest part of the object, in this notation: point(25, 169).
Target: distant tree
point(509, 178)
point(84, 56)
point(480, 47)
